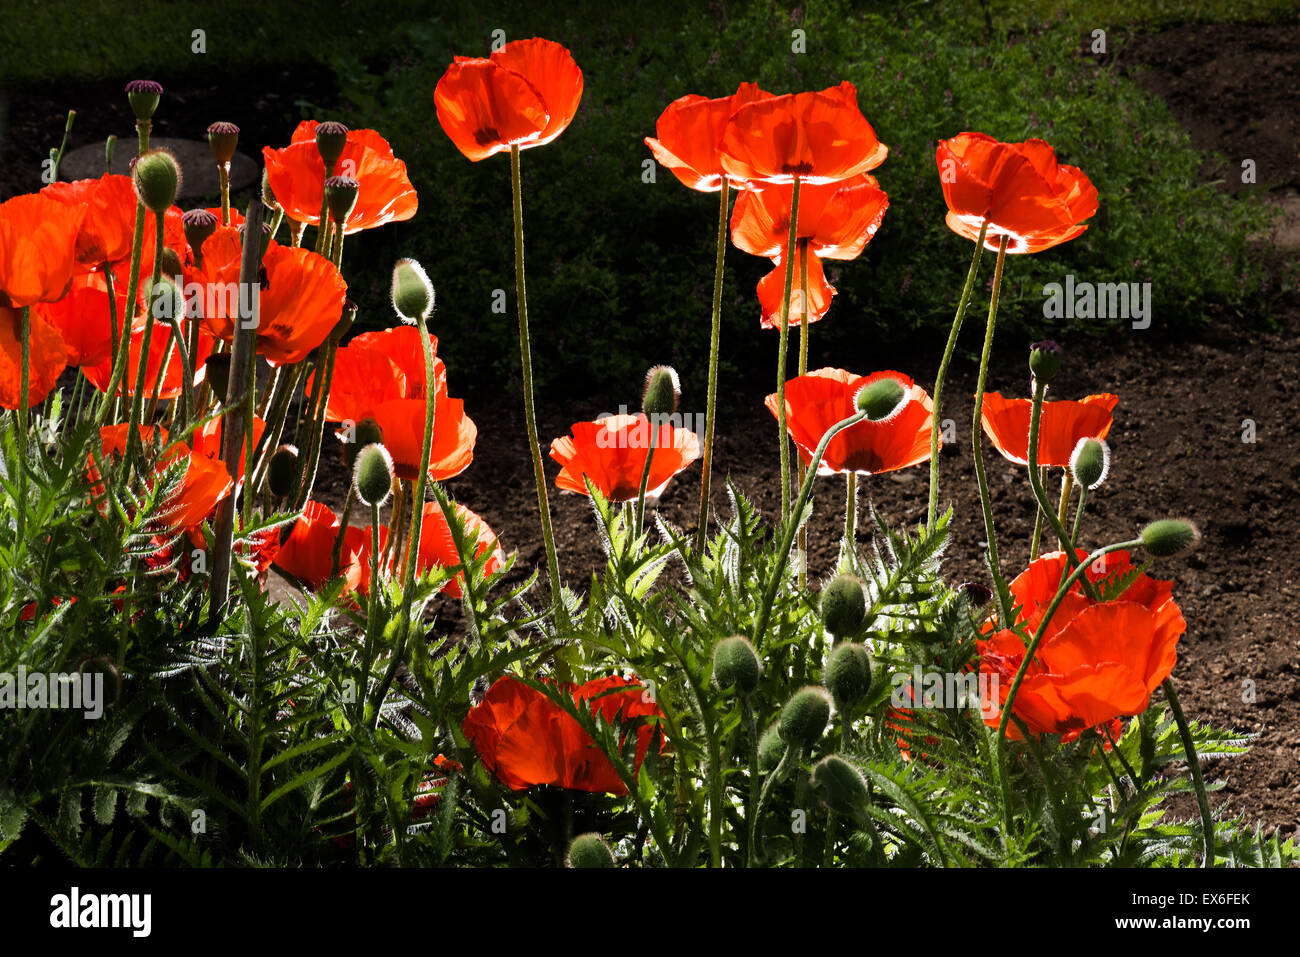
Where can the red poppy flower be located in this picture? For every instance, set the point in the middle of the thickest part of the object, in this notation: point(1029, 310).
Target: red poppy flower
point(689, 132)
point(525, 94)
point(611, 452)
point(305, 132)
point(46, 359)
point(437, 549)
point(526, 740)
point(299, 305)
point(380, 375)
point(836, 220)
point(1019, 188)
point(38, 249)
point(206, 481)
point(817, 401)
point(814, 306)
point(82, 318)
point(106, 232)
point(160, 342)
point(297, 177)
point(207, 441)
point(1062, 424)
point(308, 553)
point(818, 137)
point(1098, 660)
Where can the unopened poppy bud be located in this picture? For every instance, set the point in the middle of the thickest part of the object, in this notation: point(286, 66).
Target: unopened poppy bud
point(805, 716)
point(1045, 360)
point(770, 747)
point(283, 470)
point(848, 673)
point(346, 318)
point(1089, 462)
point(331, 137)
point(840, 785)
point(199, 225)
point(736, 663)
point(844, 605)
point(590, 850)
point(341, 197)
point(143, 96)
point(661, 392)
point(217, 374)
point(223, 138)
point(881, 399)
point(373, 475)
point(268, 194)
point(157, 178)
point(266, 237)
point(165, 300)
point(977, 593)
point(367, 432)
point(1169, 537)
point(412, 292)
point(171, 262)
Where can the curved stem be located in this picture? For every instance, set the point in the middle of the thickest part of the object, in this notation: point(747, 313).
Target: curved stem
point(710, 415)
point(784, 346)
point(803, 370)
point(948, 349)
point(788, 759)
point(1194, 765)
point(977, 445)
point(530, 417)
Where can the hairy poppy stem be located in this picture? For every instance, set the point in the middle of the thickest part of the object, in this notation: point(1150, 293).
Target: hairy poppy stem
point(223, 175)
point(851, 511)
point(784, 347)
point(1194, 765)
point(645, 481)
point(137, 398)
point(803, 370)
point(1030, 650)
point(1078, 516)
point(701, 533)
point(789, 758)
point(421, 480)
point(181, 416)
point(1038, 530)
point(977, 445)
point(935, 416)
point(530, 416)
point(123, 349)
point(113, 320)
point(336, 554)
point(24, 394)
point(1063, 509)
point(751, 726)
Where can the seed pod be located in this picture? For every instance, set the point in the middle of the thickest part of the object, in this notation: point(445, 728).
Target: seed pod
point(157, 179)
point(199, 225)
point(736, 663)
point(165, 300)
point(341, 197)
point(331, 137)
point(143, 96)
point(805, 716)
point(412, 292)
point(848, 673)
point(223, 138)
point(839, 784)
point(770, 747)
point(1045, 360)
point(881, 399)
point(373, 475)
point(844, 606)
point(590, 850)
point(1169, 537)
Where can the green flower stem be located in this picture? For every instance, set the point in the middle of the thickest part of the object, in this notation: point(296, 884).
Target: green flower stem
point(336, 555)
point(948, 350)
point(1078, 517)
point(155, 396)
point(851, 510)
point(323, 223)
point(250, 429)
point(977, 445)
point(1038, 526)
point(787, 535)
point(530, 416)
point(751, 725)
point(223, 174)
point(280, 394)
point(24, 396)
point(784, 326)
point(639, 522)
point(123, 353)
point(1063, 508)
point(112, 320)
point(142, 128)
point(180, 418)
point(372, 616)
point(315, 438)
point(803, 370)
point(1194, 765)
point(701, 533)
point(1030, 651)
point(789, 758)
point(137, 398)
point(421, 481)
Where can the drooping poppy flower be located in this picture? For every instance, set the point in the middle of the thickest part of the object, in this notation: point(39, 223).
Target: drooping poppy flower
point(525, 94)
point(38, 249)
point(526, 740)
point(689, 132)
point(1062, 424)
point(817, 137)
point(821, 399)
point(300, 301)
point(1098, 660)
point(308, 553)
point(160, 347)
point(297, 177)
point(611, 452)
point(813, 306)
point(437, 548)
point(380, 375)
point(83, 320)
point(205, 483)
point(836, 220)
point(1019, 188)
point(46, 359)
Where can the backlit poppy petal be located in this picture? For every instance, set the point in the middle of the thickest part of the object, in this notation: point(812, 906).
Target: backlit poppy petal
point(38, 248)
point(46, 359)
point(612, 451)
point(1062, 424)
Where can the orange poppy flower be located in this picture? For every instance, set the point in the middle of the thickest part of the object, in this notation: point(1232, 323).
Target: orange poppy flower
point(82, 318)
point(817, 401)
point(308, 553)
point(689, 132)
point(1062, 424)
point(380, 375)
point(611, 452)
point(818, 137)
point(106, 232)
point(437, 549)
point(206, 481)
point(300, 301)
point(160, 341)
point(525, 94)
point(207, 442)
point(297, 177)
point(836, 220)
point(38, 249)
point(46, 359)
point(526, 740)
point(818, 299)
point(1019, 188)
point(1098, 660)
